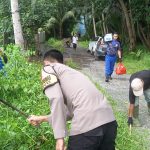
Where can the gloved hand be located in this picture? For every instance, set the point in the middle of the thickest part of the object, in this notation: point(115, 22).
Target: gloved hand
point(130, 121)
point(120, 60)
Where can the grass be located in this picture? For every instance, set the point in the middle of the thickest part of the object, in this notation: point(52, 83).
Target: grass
point(58, 44)
point(72, 64)
point(134, 64)
point(84, 44)
point(137, 60)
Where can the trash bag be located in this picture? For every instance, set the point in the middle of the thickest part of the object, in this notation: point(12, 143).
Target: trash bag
point(121, 69)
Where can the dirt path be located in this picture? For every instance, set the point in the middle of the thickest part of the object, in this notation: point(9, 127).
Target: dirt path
point(117, 88)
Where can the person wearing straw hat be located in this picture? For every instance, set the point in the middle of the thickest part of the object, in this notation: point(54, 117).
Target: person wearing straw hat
point(139, 85)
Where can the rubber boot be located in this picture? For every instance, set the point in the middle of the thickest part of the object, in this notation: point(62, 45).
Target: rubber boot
point(148, 105)
point(136, 122)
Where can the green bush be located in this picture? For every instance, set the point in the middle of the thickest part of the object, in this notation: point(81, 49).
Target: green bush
point(137, 61)
point(20, 85)
point(58, 44)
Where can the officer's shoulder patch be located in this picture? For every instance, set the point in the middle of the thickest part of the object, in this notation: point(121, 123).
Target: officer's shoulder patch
point(49, 80)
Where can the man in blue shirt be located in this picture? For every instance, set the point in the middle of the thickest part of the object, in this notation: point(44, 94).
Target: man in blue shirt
point(113, 49)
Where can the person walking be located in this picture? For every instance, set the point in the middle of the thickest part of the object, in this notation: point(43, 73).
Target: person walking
point(139, 85)
point(113, 48)
point(74, 97)
point(74, 41)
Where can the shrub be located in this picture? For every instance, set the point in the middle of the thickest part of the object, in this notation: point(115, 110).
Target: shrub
point(58, 44)
point(20, 85)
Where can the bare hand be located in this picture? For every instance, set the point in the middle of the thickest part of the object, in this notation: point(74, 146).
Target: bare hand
point(35, 120)
point(60, 145)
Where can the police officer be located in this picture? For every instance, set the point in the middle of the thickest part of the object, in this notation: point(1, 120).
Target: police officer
point(139, 85)
point(111, 55)
point(74, 97)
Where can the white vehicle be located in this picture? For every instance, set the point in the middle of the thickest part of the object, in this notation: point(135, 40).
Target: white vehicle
point(98, 47)
point(93, 44)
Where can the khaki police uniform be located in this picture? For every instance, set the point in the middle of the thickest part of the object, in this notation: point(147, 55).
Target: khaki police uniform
point(73, 97)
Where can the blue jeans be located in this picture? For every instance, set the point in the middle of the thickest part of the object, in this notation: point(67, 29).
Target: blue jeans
point(146, 95)
point(109, 65)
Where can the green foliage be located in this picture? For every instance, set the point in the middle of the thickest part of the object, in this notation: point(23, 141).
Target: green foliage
point(51, 22)
point(137, 60)
point(84, 44)
point(72, 64)
point(20, 85)
point(137, 55)
point(58, 44)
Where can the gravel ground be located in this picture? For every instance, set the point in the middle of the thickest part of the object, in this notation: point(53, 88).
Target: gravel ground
point(117, 87)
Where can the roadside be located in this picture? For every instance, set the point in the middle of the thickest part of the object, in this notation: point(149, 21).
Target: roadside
point(117, 88)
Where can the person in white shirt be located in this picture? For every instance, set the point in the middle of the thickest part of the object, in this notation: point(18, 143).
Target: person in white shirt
point(74, 41)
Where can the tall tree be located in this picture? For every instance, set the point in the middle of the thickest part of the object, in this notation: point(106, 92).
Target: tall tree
point(93, 17)
point(59, 21)
point(129, 25)
point(18, 34)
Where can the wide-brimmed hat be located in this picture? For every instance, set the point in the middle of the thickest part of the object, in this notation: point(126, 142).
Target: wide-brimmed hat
point(137, 86)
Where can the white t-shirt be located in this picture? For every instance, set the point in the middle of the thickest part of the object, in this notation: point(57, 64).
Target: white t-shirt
point(74, 40)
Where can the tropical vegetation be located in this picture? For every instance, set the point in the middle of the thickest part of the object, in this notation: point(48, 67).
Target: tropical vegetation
point(20, 26)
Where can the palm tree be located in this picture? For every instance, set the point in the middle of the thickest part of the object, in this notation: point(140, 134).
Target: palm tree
point(17, 24)
point(59, 21)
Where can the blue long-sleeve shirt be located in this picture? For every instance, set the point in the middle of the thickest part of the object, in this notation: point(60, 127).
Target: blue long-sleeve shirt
point(1, 63)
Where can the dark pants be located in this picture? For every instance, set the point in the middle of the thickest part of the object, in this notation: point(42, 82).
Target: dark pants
point(101, 138)
point(74, 45)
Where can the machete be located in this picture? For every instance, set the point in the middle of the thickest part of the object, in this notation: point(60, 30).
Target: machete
point(14, 108)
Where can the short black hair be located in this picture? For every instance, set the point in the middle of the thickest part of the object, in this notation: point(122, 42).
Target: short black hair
point(115, 33)
point(54, 54)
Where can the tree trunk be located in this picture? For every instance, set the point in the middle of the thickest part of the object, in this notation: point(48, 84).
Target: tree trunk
point(54, 31)
point(94, 26)
point(140, 36)
point(129, 26)
point(60, 30)
point(145, 39)
point(132, 22)
point(103, 22)
point(17, 24)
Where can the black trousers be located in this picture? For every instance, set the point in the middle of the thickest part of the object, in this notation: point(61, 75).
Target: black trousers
point(74, 45)
point(101, 138)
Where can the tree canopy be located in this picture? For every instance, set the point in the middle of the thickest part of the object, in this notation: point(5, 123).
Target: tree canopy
point(131, 18)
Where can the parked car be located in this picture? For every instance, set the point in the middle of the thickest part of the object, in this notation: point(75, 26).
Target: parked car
point(100, 50)
point(98, 46)
point(93, 44)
